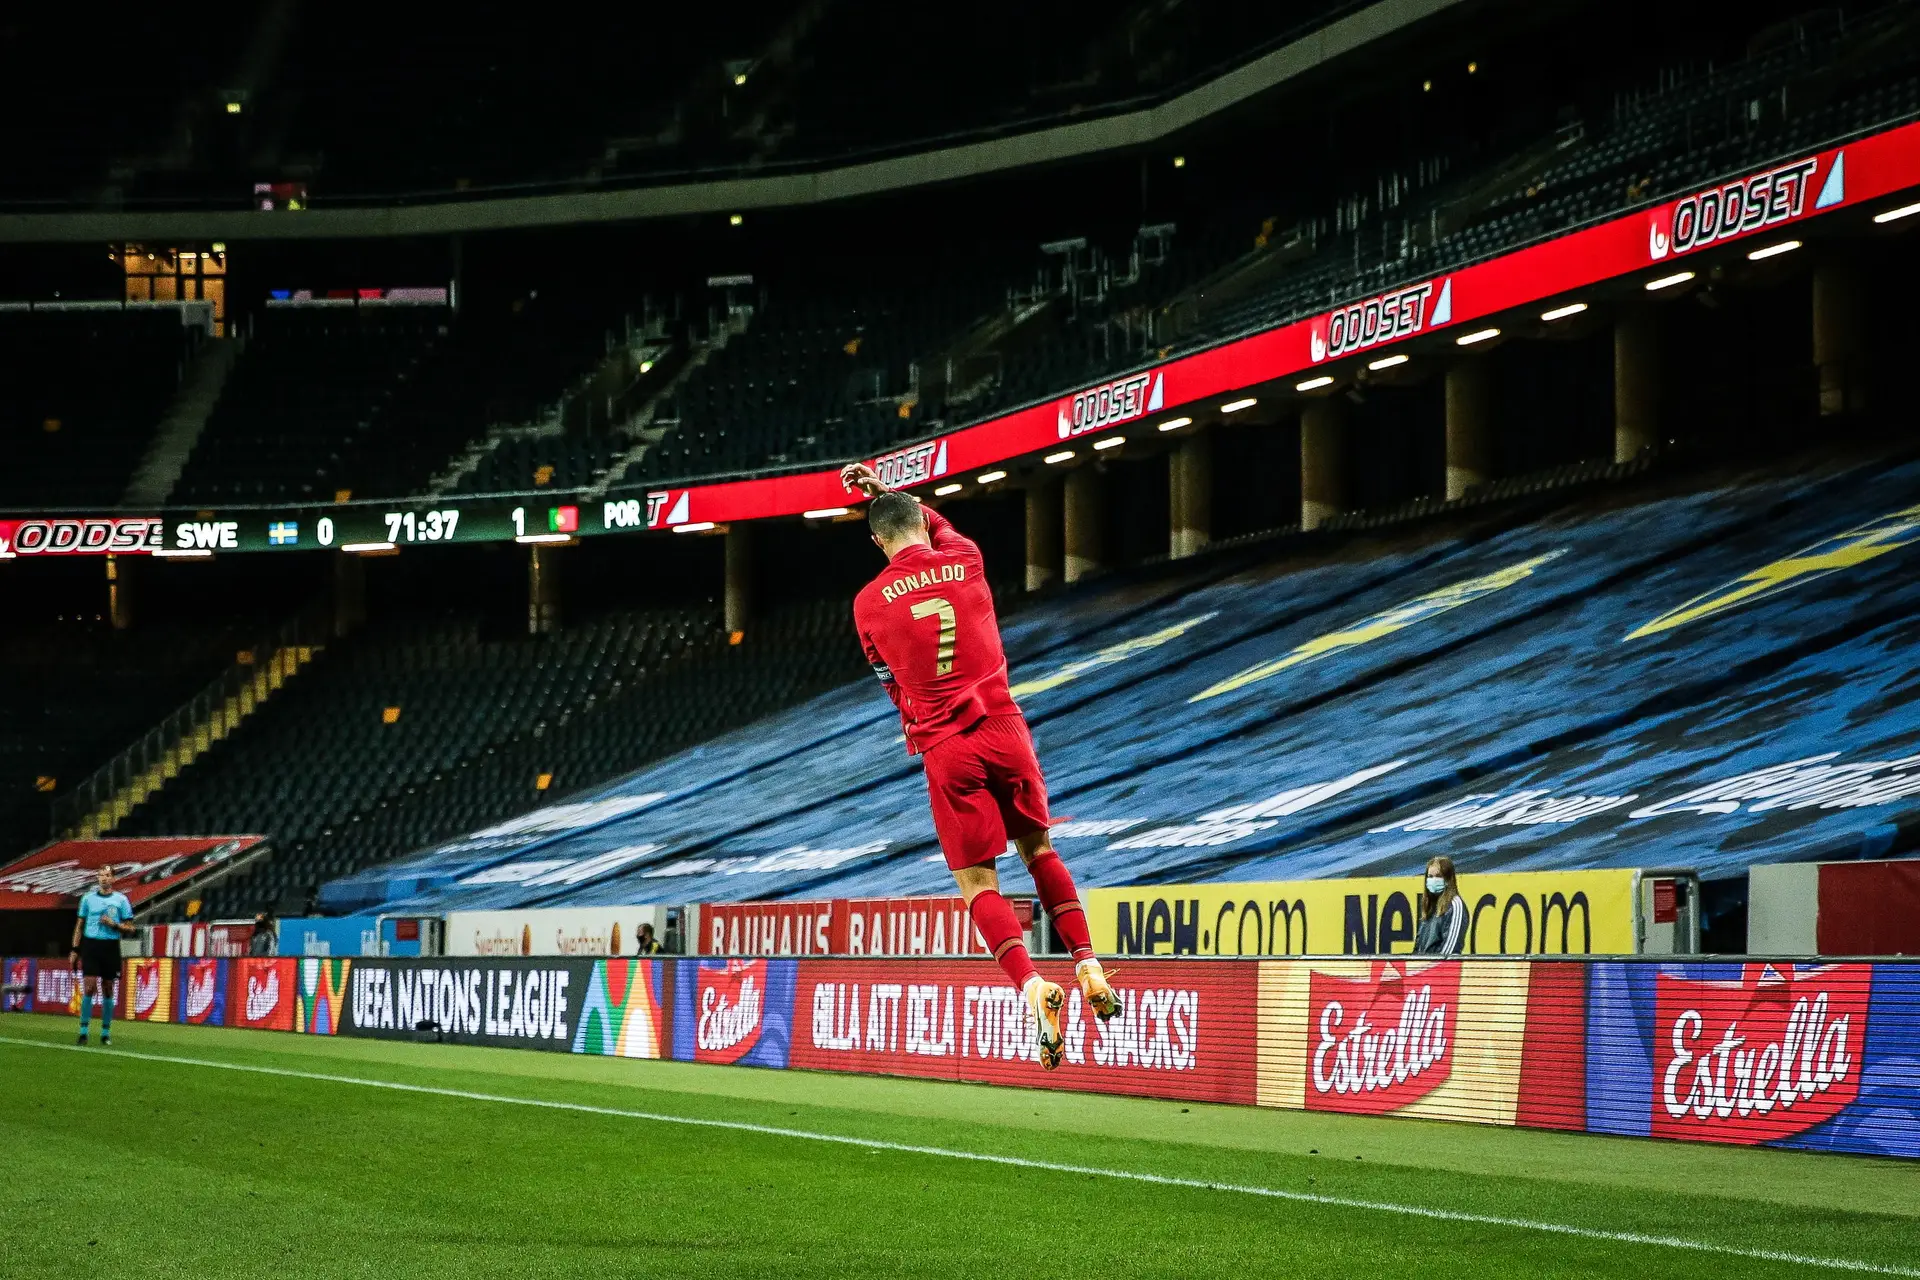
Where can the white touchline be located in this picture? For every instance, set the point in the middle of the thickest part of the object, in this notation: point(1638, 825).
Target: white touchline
point(1020, 1162)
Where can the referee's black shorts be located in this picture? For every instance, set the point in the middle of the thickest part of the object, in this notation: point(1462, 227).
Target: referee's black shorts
point(100, 957)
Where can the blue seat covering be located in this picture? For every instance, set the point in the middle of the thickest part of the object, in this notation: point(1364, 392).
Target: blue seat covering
point(1308, 719)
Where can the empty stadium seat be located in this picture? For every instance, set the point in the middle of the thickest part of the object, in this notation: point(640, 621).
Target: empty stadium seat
point(1555, 692)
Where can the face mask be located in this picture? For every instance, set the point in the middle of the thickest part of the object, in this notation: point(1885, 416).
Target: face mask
point(1436, 885)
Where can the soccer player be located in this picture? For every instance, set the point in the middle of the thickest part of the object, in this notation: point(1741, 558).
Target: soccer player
point(928, 627)
point(105, 916)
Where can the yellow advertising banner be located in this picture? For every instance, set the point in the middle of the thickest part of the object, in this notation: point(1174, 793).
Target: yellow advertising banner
point(1441, 1040)
point(1512, 913)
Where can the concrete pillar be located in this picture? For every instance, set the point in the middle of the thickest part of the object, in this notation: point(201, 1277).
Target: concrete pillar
point(349, 593)
point(1190, 493)
point(1086, 523)
point(1469, 424)
point(1325, 489)
point(1840, 337)
point(1636, 383)
point(120, 592)
point(1043, 534)
point(739, 577)
point(543, 591)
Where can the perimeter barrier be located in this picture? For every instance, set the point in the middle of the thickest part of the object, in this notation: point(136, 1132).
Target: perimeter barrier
point(1820, 1056)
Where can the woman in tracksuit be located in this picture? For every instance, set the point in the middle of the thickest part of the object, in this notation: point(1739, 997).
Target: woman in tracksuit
point(1443, 914)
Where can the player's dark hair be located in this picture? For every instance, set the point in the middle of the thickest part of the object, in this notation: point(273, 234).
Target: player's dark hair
point(893, 516)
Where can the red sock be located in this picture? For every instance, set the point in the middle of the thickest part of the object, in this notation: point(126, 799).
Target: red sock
point(1062, 901)
point(994, 918)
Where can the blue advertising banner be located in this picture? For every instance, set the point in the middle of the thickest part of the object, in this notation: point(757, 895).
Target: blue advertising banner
point(361, 935)
point(200, 994)
point(1819, 1056)
point(734, 1011)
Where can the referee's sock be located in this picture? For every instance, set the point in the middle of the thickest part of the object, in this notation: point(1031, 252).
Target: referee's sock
point(106, 1012)
point(86, 1009)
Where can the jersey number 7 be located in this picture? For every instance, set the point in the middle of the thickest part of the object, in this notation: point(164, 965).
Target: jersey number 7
point(938, 605)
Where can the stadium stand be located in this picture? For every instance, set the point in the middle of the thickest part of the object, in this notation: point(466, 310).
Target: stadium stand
point(85, 387)
point(479, 722)
point(376, 398)
point(824, 376)
point(77, 691)
point(367, 103)
point(307, 401)
point(797, 388)
point(379, 401)
point(1807, 84)
point(843, 354)
point(74, 143)
point(393, 709)
point(1556, 686)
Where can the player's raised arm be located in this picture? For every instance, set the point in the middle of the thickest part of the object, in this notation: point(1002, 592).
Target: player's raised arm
point(941, 534)
point(944, 537)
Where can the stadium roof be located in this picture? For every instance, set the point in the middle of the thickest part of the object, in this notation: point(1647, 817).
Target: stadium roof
point(450, 214)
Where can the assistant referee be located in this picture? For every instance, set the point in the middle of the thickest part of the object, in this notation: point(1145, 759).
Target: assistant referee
point(105, 916)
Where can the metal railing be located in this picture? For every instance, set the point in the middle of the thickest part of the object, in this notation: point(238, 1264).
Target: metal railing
point(97, 804)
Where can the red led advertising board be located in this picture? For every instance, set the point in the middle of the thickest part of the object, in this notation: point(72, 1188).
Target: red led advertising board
point(1769, 199)
point(1775, 198)
point(916, 926)
point(1187, 1031)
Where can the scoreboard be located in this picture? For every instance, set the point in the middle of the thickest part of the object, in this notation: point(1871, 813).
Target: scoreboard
point(355, 527)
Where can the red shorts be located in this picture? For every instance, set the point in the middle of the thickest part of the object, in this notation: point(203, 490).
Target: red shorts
point(986, 789)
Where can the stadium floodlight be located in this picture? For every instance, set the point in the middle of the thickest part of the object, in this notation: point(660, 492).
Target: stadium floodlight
point(1235, 406)
point(1064, 455)
point(1667, 282)
point(1773, 250)
point(538, 537)
point(946, 489)
point(696, 526)
point(1561, 313)
point(1174, 424)
point(1313, 384)
point(734, 219)
point(825, 513)
point(1111, 442)
point(989, 477)
point(1894, 215)
point(1387, 362)
point(364, 548)
point(1478, 335)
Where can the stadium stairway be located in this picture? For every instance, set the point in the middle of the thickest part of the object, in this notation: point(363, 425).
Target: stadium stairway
point(78, 691)
point(482, 726)
point(1306, 716)
point(86, 384)
point(179, 430)
point(137, 774)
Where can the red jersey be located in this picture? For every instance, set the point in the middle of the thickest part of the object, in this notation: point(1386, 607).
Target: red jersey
point(928, 627)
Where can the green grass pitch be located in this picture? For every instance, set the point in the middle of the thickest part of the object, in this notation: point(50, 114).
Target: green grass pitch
point(121, 1165)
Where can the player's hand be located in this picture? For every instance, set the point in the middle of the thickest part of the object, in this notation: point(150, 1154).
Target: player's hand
point(858, 475)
